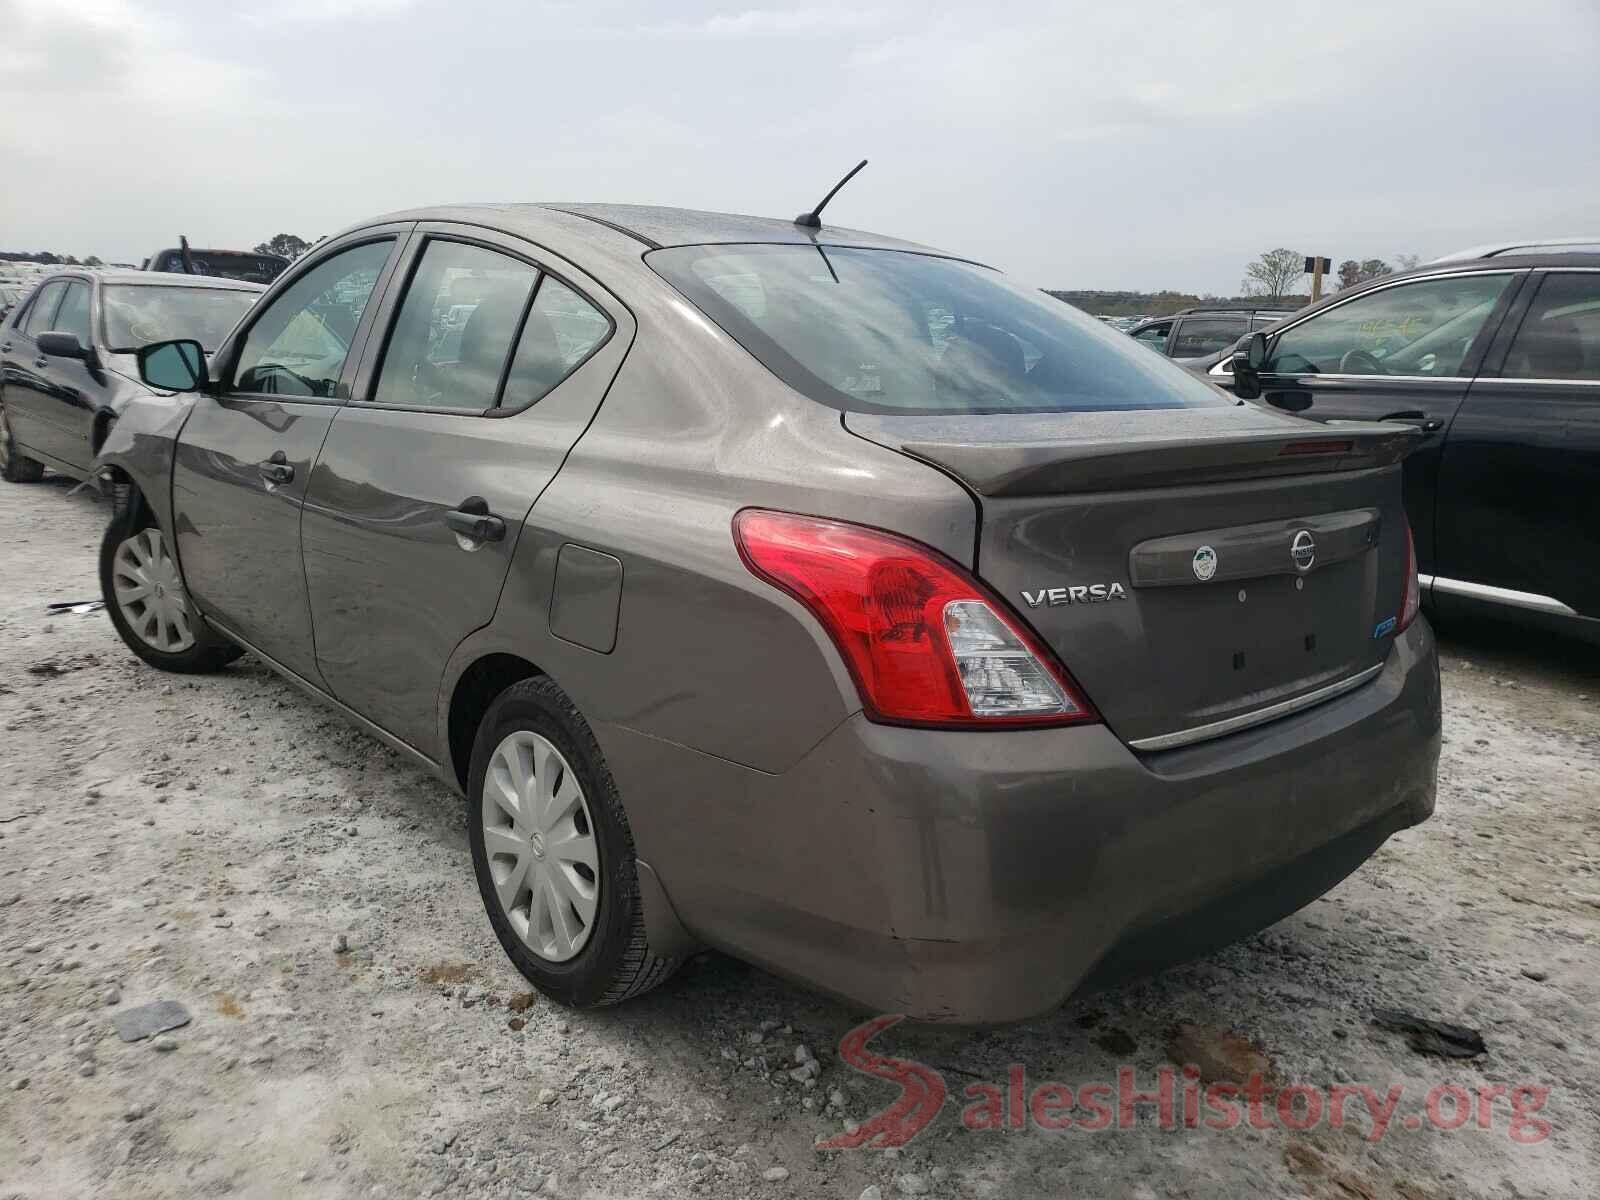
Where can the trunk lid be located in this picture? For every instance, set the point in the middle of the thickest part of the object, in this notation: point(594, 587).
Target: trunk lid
point(1197, 570)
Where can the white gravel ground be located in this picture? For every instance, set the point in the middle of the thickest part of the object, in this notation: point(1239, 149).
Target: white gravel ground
point(214, 840)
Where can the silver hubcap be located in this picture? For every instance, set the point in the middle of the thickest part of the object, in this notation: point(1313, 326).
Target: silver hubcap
point(150, 593)
point(540, 842)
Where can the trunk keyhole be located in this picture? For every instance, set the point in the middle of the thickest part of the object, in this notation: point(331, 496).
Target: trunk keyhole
point(1238, 660)
point(1311, 641)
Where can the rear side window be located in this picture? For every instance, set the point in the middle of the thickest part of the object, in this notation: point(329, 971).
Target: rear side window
point(455, 329)
point(562, 330)
point(298, 346)
point(1206, 335)
point(895, 332)
point(1560, 337)
point(42, 311)
point(73, 315)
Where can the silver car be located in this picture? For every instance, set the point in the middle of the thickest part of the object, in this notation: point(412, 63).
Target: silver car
point(814, 596)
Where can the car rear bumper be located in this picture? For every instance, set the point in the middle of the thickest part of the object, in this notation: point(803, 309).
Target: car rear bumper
point(980, 877)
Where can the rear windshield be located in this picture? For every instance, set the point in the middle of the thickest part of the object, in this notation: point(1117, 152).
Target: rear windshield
point(893, 332)
point(223, 264)
point(136, 314)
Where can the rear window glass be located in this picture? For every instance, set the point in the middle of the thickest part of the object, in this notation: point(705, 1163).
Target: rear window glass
point(136, 315)
point(895, 332)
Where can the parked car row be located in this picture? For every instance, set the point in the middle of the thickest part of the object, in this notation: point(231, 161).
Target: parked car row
point(1194, 333)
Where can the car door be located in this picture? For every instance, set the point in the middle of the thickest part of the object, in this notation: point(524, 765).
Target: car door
point(22, 369)
point(244, 456)
point(1519, 489)
point(1405, 350)
point(496, 357)
point(74, 389)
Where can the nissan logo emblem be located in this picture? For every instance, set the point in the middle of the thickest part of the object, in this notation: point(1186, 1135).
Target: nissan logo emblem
point(1303, 550)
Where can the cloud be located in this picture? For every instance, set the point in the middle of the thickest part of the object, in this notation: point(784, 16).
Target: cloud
point(324, 12)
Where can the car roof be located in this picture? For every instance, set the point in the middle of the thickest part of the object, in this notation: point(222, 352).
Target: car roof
point(1564, 246)
point(178, 279)
point(655, 227)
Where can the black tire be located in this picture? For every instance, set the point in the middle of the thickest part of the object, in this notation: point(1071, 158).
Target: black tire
point(15, 467)
point(210, 652)
point(616, 963)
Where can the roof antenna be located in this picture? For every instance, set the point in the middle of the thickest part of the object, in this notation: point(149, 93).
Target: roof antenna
point(183, 253)
point(813, 219)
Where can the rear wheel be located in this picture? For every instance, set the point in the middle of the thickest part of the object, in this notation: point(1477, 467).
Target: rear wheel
point(144, 594)
point(553, 853)
point(15, 467)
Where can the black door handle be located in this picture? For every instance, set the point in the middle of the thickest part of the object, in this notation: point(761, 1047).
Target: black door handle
point(472, 519)
point(276, 470)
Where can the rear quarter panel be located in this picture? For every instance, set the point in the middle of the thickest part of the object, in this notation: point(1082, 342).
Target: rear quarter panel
point(706, 655)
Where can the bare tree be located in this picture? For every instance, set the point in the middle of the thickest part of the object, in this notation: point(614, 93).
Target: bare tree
point(1404, 262)
point(1272, 274)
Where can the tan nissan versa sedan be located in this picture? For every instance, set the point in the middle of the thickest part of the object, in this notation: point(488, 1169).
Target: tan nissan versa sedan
point(822, 598)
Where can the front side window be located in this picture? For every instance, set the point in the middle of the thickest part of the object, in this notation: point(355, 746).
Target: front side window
point(1423, 328)
point(896, 332)
point(455, 329)
point(299, 344)
point(1560, 337)
point(136, 314)
point(73, 315)
point(1198, 336)
point(42, 311)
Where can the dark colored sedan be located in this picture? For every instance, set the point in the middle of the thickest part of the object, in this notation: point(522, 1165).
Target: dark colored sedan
point(1495, 357)
point(67, 365)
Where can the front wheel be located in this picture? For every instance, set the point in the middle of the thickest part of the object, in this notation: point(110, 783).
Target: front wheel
point(15, 466)
point(553, 853)
point(144, 594)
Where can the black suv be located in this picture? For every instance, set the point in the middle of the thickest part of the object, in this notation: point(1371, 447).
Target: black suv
point(1495, 355)
point(1197, 332)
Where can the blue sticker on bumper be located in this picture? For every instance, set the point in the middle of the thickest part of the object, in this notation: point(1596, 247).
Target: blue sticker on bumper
point(1384, 627)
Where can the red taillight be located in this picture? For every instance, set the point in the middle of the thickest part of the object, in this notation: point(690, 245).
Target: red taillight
point(926, 643)
point(1411, 601)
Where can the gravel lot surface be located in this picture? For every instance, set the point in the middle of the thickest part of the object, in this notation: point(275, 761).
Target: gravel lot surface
point(226, 843)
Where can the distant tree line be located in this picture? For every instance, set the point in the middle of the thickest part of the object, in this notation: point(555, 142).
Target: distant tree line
point(49, 258)
point(1274, 278)
point(1159, 304)
point(289, 245)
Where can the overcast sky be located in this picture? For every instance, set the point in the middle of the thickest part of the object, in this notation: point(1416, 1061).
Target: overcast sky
point(1076, 145)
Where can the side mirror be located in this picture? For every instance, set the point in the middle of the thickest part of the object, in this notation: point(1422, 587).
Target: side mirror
point(176, 366)
point(61, 345)
point(1249, 355)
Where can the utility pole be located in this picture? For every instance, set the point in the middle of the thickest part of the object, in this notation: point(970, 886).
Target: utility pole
point(1316, 268)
